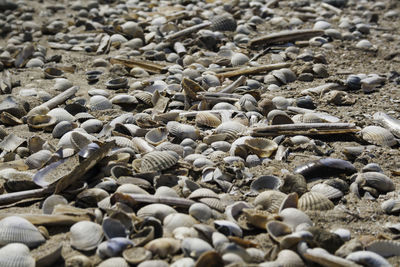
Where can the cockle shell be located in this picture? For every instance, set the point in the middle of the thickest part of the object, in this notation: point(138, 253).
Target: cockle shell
point(156, 136)
point(38, 159)
point(183, 131)
point(223, 22)
point(377, 180)
point(231, 128)
point(15, 229)
point(327, 190)
point(314, 201)
point(270, 200)
point(158, 161)
point(16, 255)
point(378, 135)
point(207, 119)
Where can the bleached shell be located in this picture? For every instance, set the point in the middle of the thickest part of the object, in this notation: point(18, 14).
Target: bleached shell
point(262, 147)
point(183, 131)
point(16, 255)
point(15, 229)
point(315, 117)
point(391, 206)
point(294, 217)
point(50, 202)
point(289, 258)
point(63, 127)
point(239, 59)
point(207, 119)
point(38, 159)
point(224, 106)
point(163, 246)
point(194, 247)
point(378, 136)
point(203, 193)
point(200, 211)
point(136, 255)
point(327, 190)
point(123, 99)
point(92, 125)
point(248, 103)
point(385, 248)
point(314, 201)
point(159, 211)
point(86, 235)
point(231, 128)
point(378, 181)
point(99, 102)
point(270, 200)
point(158, 161)
point(223, 22)
point(175, 220)
point(114, 262)
point(265, 182)
point(61, 115)
point(41, 121)
point(213, 203)
point(278, 229)
point(156, 136)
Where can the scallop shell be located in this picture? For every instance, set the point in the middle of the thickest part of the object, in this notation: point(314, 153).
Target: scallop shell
point(203, 193)
point(377, 180)
point(314, 201)
point(15, 255)
point(157, 210)
point(327, 190)
point(231, 128)
point(156, 136)
point(239, 59)
point(270, 200)
point(207, 119)
point(378, 135)
point(15, 229)
point(158, 161)
point(385, 248)
point(183, 131)
point(41, 121)
point(38, 159)
point(86, 235)
point(223, 22)
point(262, 147)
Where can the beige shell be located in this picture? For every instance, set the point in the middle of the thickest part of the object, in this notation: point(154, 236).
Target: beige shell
point(270, 200)
point(41, 121)
point(157, 210)
point(163, 246)
point(156, 136)
point(86, 235)
point(213, 203)
point(289, 258)
point(136, 255)
point(183, 131)
point(231, 128)
point(15, 229)
point(385, 248)
point(376, 180)
point(214, 138)
point(294, 217)
point(203, 193)
point(145, 97)
point(158, 161)
point(314, 201)
point(378, 136)
point(327, 190)
point(262, 147)
point(207, 119)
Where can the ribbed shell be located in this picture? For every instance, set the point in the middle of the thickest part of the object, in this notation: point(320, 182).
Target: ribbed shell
point(145, 97)
point(203, 193)
point(99, 102)
point(314, 201)
point(231, 128)
point(385, 248)
point(158, 161)
point(327, 190)
point(262, 147)
point(61, 115)
point(38, 159)
point(123, 141)
point(378, 181)
point(239, 59)
point(248, 103)
point(223, 22)
point(378, 136)
point(86, 235)
point(114, 262)
point(16, 255)
point(213, 203)
point(182, 131)
point(156, 136)
point(15, 229)
point(207, 119)
point(270, 200)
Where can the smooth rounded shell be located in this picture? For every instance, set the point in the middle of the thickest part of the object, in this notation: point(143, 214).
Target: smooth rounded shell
point(262, 147)
point(86, 235)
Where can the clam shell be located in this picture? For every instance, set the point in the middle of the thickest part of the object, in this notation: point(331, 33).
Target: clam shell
point(213, 203)
point(248, 103)
point(270, 200)
point(207, 119)
point(276, 117)
point(86, 235)
point(265, 182)
point(38, 159)
point(385, 248)
point(182, 131)
point(231, 128)
point(289, 258)
point(145, 97)
point(194, 247)
point(175, 220)
point(368, 258)
point(62, 128)
point(117, 83)
point(223, 22)
point(391, 206)
point(228, 228)
point(239, 59)
point(315, 117)
point(156, 136)
point(377, 180)
point(15, 255)
point(278, 229)
point(378, 136)
point(114, 262)
point(51, 202)
point(99, 102)
point(92, 125)
point(203, 193)
point(294, 217)
point(136, 255)
point(61, 115)
point(157, 210)
point(314, 201)
point(294, 183)
point(15, 229)
point(158, 161)
point(163, 246)
point(262, 147)
point(41, 121)
point(329, 191)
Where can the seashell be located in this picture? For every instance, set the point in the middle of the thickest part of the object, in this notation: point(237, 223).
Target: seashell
point(114, 262)
point(182, 131)
point(224, 106)
point(136, 255)
point(207, 119)
point(157, 210)
point(15, 254)
point(52, 73)
point(158, 161)
point(202, 163)
point(321, 256)
point(15, 229)
point(277, 230)
point(62, 128)
point(99, 102)
point(117, 83)
point(50, 202)
point(163, 246)
point(270, 200)
point(294, 217)
point(92, 125)
point(248, 103)
point(194, 247)
point(372, 167)
point(41, 121)
point(262, 147)
point(38, 159)
point(156, 136)
point(276, 117)
point(280, 102)
point(124, 99)
point(213, 203)
point(314, 201)
point(203, 193)
point(325, 168)
point(210, 259)
point(86, 235)
point(328, 191)
point(61, 115)
point(90, 197)
point(388, 122)
point(223, 22)
point(239, 59)
point(228, 228)
point(175, 220)
point(62, 84)
point(287, 257)
point(368, 258)
point(145, 97)
point(265, 182)
point(183, 262)
point(80, 140)
point(200, 212)
point(8, 119)
point(113, 228)
point(385, 248)
point(231, 128)
point(376, 180)
point(316, 117)
point(391, 206)
point(378, 136)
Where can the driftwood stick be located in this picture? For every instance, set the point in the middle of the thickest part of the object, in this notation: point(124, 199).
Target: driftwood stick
point(132, 199)
point(14, 197)
point(144, 64)
point(285, 36)
point(305, 129)
point(253, 70)
point(49, 220)
point(186, 31)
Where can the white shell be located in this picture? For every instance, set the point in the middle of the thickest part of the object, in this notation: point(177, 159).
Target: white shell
point(15, 229)
point(378, 136)
point(86, 235)
point(16, 255)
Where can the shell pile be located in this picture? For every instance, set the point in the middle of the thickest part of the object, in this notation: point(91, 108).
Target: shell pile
point(199, 133)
